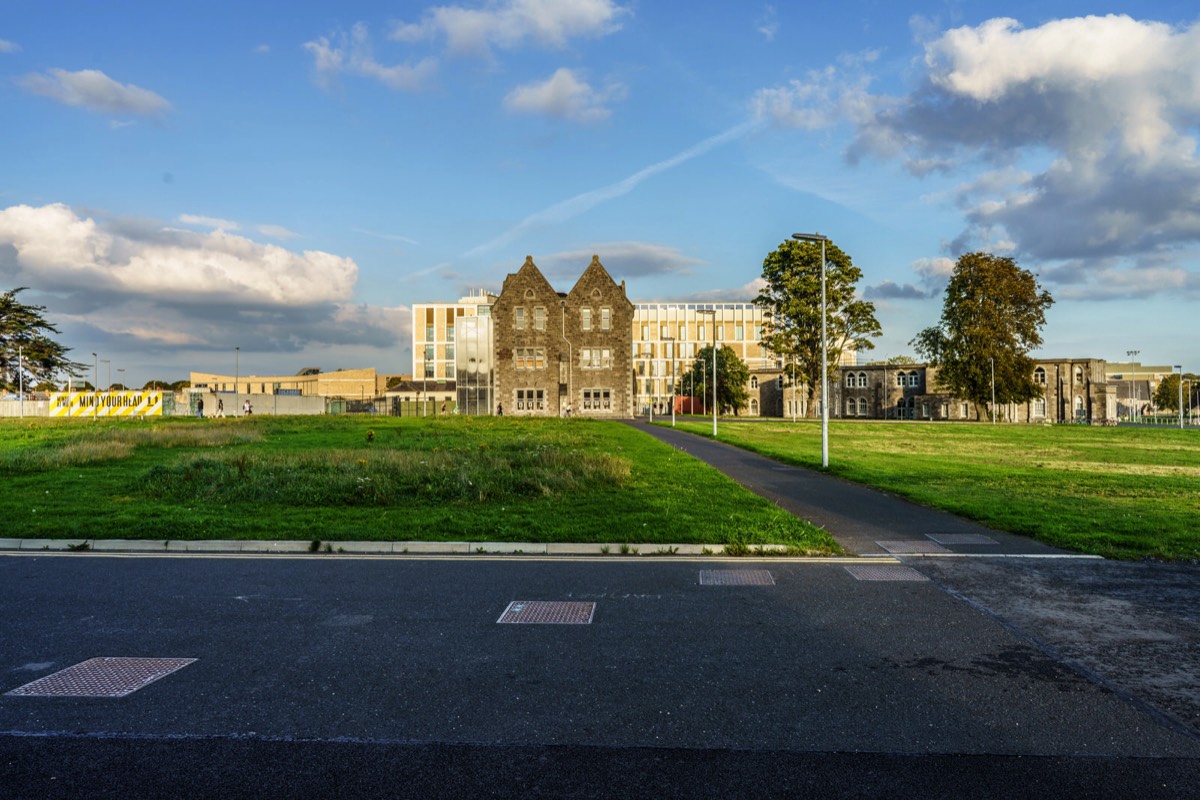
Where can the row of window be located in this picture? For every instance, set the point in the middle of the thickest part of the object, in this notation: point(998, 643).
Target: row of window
point(739, 332)
point(529, 400)
point(589, 357)
point(586, 318)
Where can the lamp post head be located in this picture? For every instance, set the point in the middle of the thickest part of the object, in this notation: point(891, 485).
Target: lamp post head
point(810, 237)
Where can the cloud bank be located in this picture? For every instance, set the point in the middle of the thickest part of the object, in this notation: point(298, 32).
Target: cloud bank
point(95, 91)
point(167, 287)
point(1078, 137)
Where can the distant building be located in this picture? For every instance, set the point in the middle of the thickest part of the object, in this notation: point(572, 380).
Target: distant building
point(351, 384)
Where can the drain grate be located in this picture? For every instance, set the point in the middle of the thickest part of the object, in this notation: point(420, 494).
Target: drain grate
point(960, 538)
point(885, 573)
point(102, 677)
point(548, 612)
point(736, 577)
point(908, 548)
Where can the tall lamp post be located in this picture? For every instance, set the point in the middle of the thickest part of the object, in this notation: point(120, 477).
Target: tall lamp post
point(1132, 354)
point(1179, 369)
point(816, 237)
point(992, 363)
point(713, 313)
point(670, 343)
point(121, 377)
point(237, 407)
point(95, 383)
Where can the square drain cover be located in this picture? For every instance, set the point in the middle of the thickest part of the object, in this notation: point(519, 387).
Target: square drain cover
point(548, 612)
point(918, 546)
point(102, 677)
point(736, 577)
point(960, 538)
point(886, 572)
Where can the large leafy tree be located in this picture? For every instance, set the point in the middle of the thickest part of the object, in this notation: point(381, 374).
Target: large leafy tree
point(732, 377)
point(992, 315)
point(1166, 396)
point(792, 301)
point(28, 356)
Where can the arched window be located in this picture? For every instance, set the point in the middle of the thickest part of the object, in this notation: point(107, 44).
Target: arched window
point(862, 380)
point(850, 380)
point(753, 381)
point(862, 406)
point(901, 378)
point(1039, 407)
point(1079, 374)
point(753, 407)
point(779, 382)
point(914, 379)
point(1080, 409)
point(1039, 376)
point(850, 406)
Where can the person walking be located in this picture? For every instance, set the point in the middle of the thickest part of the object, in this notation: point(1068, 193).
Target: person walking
point(200, 407)
point(220, 409)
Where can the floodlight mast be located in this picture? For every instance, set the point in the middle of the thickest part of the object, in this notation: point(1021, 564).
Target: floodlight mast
point(816, 237)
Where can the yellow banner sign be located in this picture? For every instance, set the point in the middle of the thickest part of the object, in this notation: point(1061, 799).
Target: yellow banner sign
point(106, 404)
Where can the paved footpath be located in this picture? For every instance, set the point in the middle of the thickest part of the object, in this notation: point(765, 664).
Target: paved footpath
point(926, 675)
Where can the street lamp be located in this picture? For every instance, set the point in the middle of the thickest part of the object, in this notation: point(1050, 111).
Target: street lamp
point(95, 383)
point(1132, 354)
point(237, 407)
point(671, 357)
point(1179, 369)
point(713, 313)
point(121, 377)
point(108, 383)
point(992, 362)
point(816, 237)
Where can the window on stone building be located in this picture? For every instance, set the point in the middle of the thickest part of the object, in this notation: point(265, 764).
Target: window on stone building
point(851, 380)
point(597, 399)
point(519, 318)
point(585, 319)
point(1039, 376)
point(862, 406)
point(605, 319)
point(1079, 374)
point(531, 400)
point(539, 318)
point(914, 379)
point(902, 378)
point(862, 380)
point(851, 405)
point(753, 381)
point(1039, 407)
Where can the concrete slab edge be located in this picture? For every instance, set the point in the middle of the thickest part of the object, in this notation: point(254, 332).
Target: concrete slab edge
point(371, 548)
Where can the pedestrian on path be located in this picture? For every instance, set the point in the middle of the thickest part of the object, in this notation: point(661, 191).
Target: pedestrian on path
point(220, 409)
point(200, 407)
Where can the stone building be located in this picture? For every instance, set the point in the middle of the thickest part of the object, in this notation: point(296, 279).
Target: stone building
point(1073, 390)
point(554, 352)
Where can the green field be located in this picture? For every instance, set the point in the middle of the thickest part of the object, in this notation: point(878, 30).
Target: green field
point(337, 478)
point(1126, 492)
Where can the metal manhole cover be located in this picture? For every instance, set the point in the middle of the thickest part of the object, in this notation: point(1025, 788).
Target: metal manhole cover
point(918, 546)
point(960, 538)
point(885, 573)
point(736, 577)
point(102, 677)
point(548, 612)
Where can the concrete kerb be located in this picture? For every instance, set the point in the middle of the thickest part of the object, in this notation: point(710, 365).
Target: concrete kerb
point(176, 547)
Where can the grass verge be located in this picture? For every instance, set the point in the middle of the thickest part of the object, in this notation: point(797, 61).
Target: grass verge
point(1125, 492)
point(344, 478)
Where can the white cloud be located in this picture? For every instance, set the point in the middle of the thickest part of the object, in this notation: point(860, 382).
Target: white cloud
point(162, 286)
point(262, 49)
point(208, 222)
point(354, 55)
point(510, 24)
point(1078, 136)
point(9, 47)
point(565, 96)
point(767, 23)
point(94, 90)
point(277, 232)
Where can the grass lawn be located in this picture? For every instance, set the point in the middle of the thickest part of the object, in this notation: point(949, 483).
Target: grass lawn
point(1123, 492)
point(349, 478)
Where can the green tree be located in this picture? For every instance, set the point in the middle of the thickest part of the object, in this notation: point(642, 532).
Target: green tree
point(28, 355)
point(1166, 396)
point(992, 316)
point(732, 377)
point(791, 299)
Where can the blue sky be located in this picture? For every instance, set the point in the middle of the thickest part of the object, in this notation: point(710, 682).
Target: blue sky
point(289, 178)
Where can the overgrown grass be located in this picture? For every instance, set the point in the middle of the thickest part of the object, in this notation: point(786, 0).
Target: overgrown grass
point(1121, 492)
point(342, 478)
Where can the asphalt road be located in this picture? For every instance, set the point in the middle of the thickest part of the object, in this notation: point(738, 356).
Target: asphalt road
point(337, 675)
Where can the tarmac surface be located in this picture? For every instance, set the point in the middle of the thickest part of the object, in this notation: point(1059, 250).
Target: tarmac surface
point(939, 665)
